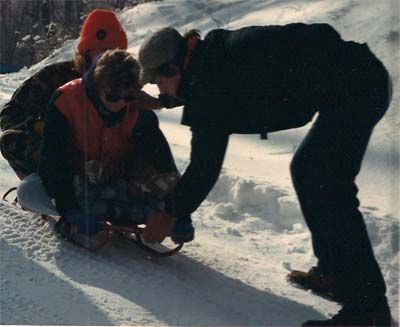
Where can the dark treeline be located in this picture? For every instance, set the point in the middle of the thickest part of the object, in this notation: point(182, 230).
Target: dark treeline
point(31, 29)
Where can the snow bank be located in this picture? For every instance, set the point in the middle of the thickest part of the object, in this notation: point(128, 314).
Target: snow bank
point(238, 199)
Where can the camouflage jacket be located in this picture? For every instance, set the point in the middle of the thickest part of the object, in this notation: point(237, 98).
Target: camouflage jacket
point(29, 101)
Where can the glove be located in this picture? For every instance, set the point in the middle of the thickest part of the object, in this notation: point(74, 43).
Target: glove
point(183, 231)
point(89, 224)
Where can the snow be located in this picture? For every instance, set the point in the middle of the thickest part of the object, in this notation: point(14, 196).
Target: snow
point(250, 230)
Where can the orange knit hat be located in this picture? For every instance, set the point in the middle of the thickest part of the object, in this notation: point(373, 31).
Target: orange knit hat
point(102, 30)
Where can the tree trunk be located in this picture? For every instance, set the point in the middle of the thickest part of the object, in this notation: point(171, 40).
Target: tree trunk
point(72, 14)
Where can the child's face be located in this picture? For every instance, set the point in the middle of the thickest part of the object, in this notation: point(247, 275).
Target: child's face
point(116, 101)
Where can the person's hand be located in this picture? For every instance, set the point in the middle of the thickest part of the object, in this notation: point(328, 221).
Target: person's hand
point(145, 102)
point(158, 227)
point(87, 224)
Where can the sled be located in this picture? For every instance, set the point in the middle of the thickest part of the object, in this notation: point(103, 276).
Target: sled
point(97, 242)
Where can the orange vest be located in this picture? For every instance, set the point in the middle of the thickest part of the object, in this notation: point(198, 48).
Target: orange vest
point(110, 147)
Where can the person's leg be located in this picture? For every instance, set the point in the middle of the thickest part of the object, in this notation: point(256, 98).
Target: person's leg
point(33, 196)
point(324, 170)
point(20, 149)
point(113, 202)
point(326, 165)
point(152, 155)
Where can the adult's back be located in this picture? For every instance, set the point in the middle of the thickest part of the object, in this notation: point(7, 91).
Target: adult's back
point(267, 78)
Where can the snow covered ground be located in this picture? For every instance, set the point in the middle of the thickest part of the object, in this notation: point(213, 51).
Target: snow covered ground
point(249, 231)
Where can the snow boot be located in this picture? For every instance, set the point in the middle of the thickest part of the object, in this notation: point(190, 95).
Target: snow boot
point(321, 284)
point(183, 231)
point(376, 313)
point(90, 242)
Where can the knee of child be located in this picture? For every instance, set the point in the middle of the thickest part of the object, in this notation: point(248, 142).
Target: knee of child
point(25, 191)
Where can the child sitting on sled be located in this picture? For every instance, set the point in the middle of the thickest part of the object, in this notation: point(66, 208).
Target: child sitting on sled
point(101, 159)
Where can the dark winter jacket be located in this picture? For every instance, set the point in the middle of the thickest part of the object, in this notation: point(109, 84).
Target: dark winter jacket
point(241, 81)
point(264, 79)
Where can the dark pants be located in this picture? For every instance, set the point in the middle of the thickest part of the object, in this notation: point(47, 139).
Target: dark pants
point(324, 169)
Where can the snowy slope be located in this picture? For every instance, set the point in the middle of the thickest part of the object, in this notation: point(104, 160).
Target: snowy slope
point(250, 229)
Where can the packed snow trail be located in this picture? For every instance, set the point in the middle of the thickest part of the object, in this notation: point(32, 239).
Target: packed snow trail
point(120, 285)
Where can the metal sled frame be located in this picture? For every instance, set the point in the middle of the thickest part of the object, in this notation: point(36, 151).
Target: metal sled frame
point(7, 193)
point(134, 235)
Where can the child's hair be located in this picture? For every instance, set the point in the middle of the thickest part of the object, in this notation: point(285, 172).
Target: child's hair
point(82, 61)
point(116, 70)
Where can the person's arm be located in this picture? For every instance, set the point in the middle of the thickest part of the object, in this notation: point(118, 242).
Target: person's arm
point(28, 102)
point(206, 160)
point(207, 157)
point(145, 102)
point(151, 145)
point(55, 157)
point(23, 110)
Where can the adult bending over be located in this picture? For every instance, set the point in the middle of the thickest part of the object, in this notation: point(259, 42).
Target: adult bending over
point(263, 79)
